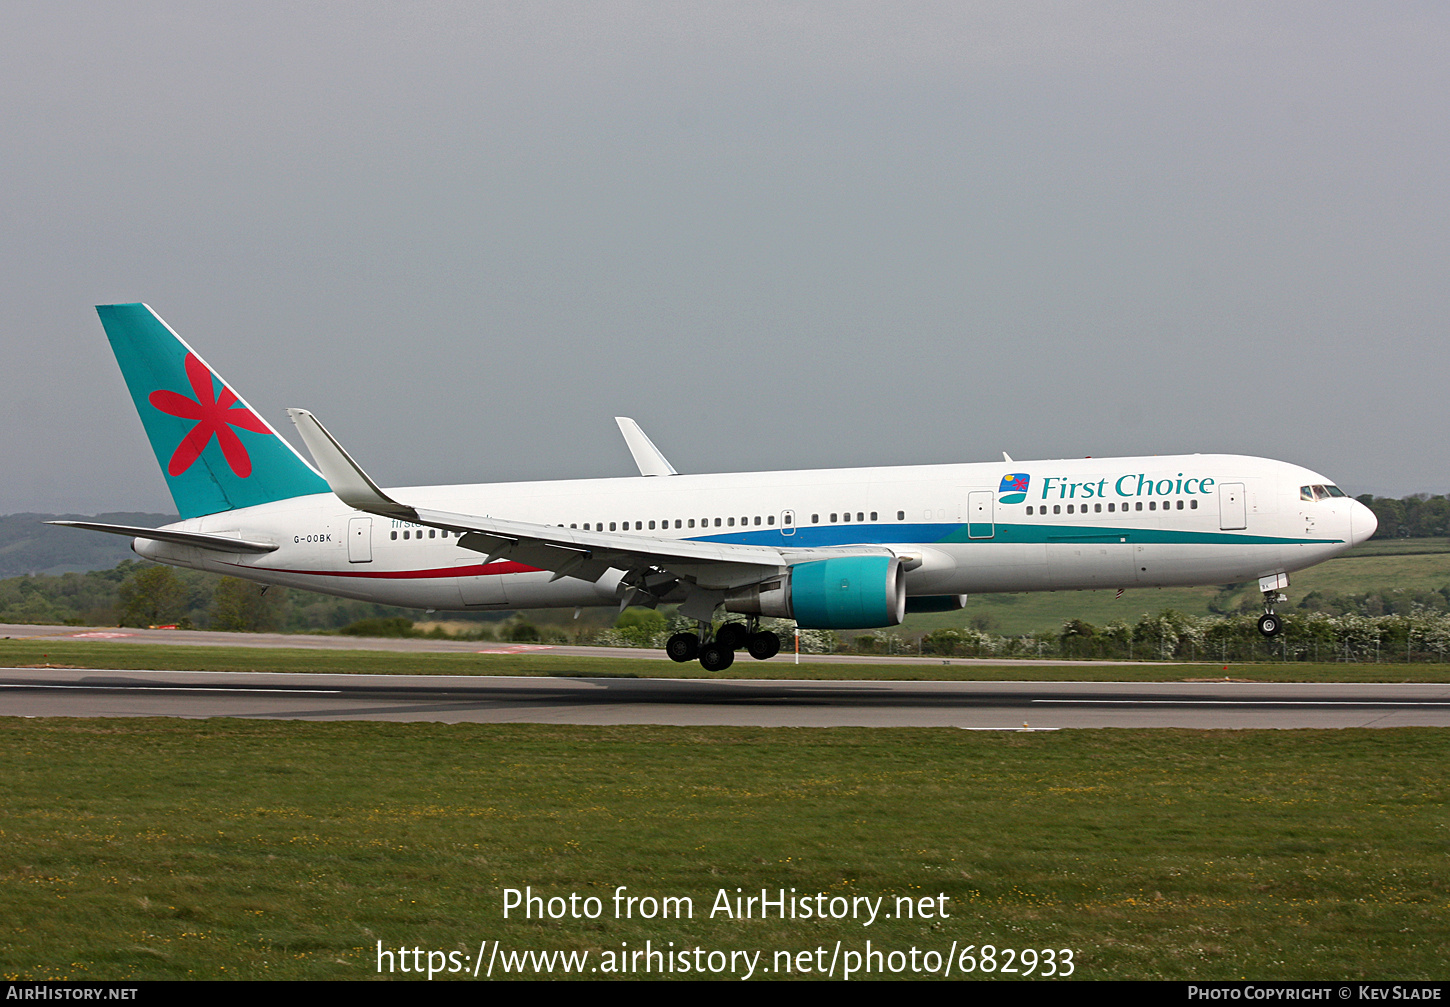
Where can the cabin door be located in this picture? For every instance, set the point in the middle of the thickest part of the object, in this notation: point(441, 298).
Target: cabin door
point(1232, 511)
point(360, 540)
point(980, 520)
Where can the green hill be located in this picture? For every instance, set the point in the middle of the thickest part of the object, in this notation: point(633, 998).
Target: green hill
point(29, 546)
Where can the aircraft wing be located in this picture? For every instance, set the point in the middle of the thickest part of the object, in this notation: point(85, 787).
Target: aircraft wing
point(710, 569)
point(588, 554)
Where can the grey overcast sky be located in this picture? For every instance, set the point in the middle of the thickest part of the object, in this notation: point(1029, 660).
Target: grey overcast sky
point(779, 235)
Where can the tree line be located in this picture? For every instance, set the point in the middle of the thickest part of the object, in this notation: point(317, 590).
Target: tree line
point(1417, 516)
point(1387, 624)
point(135, 593)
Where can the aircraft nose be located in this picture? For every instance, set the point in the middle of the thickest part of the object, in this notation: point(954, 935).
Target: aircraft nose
point(1362, 523)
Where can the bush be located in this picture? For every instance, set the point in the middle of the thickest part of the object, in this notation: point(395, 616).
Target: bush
point(396, 626)
point(239, 606)
point(152, 596)
point(640, 627)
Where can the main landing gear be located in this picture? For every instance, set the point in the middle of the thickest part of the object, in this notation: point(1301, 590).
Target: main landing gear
point(717, 651)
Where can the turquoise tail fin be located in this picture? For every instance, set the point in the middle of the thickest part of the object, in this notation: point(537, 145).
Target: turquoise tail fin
point(217, 454)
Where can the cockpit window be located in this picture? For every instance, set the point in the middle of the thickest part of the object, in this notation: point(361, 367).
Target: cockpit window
point(1335, 491)
point(1320, 492)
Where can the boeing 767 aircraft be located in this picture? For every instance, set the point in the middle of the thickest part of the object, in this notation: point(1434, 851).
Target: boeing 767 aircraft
point(829, 548)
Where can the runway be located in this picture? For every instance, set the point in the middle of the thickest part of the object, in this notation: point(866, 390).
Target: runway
point(432, 645)
point(694, 702)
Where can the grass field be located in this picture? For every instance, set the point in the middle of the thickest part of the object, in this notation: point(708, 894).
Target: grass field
point(99, 654)
point(138, 849)
point(159, 849)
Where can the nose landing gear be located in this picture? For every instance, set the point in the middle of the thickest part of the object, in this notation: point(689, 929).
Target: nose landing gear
point(1269, 623)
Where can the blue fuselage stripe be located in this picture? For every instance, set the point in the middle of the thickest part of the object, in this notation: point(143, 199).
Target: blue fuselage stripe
point(828, 536)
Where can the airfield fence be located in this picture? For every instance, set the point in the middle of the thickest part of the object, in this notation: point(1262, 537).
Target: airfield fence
point(1423, 635)
point(1420, 636)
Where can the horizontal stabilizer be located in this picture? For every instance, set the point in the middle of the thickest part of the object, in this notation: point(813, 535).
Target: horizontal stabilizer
point(216, 543)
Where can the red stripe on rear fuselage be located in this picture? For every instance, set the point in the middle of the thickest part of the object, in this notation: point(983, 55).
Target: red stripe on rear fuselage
point(481, 570)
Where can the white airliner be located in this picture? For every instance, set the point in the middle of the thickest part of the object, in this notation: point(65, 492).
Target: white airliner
point(831, 548)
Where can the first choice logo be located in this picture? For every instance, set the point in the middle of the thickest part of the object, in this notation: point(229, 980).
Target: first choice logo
point(1135, 484)
point(1013, 488)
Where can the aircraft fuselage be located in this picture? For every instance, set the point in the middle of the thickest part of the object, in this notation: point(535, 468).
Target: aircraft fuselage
point(1099, 523)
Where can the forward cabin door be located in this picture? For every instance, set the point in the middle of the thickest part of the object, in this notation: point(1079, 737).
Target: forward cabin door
point(360, 540)
point(1232, 511)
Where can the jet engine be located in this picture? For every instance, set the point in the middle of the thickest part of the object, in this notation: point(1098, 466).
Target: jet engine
point(849, 592)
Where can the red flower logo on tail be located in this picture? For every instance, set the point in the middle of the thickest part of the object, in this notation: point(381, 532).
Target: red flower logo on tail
point(214, 417)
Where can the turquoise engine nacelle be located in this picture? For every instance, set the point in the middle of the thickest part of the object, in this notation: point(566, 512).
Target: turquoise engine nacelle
point(853, 592)
point(849, 592)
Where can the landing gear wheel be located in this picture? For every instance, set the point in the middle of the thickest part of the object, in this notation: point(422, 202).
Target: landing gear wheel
point(1269, 624)
point(732, 635)
point(683, 647)
point(716, 656)
point(763, 646)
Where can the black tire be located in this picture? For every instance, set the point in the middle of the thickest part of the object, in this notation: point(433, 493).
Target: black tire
point(683, 647)
point(763, 646)
point(716, 657)
point(1270, 625)
point(732, 635)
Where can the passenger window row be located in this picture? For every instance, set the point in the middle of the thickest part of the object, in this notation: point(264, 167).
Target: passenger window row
point(844, 517)
point(704, 522)
point(683, 524)
point(838, 517)
point(418, 533)
point(1097, 508)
